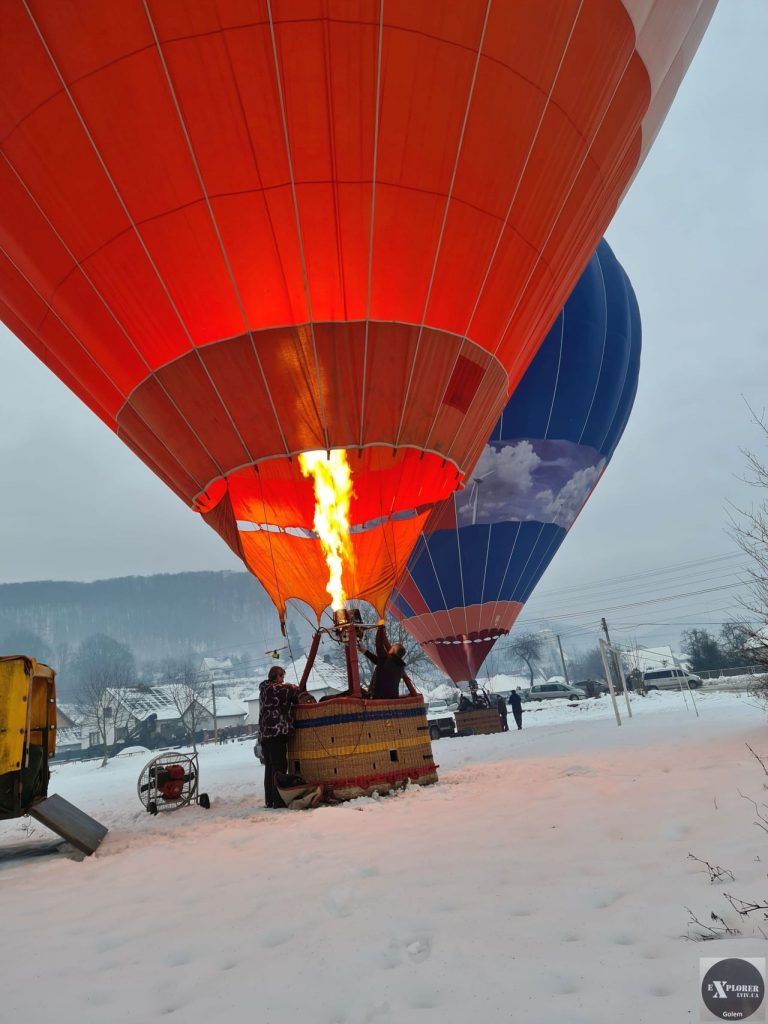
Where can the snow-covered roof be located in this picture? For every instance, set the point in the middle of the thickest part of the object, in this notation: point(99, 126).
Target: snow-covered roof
point(650, 658)
point(322, 677)
point(68, 736)
point(226, 707)
point(70, 711)
point(144, 701)
point(443, 691)
point(167, 713)
point(212, 664)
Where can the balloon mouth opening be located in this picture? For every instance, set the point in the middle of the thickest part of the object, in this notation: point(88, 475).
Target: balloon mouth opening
point(246, 526)
point(489, 636)
point(271, 516)
point(387, 484)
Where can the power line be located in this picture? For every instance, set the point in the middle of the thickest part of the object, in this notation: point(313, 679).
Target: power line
point(645, 573)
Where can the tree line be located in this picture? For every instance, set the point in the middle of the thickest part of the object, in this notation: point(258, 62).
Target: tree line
point(203, 612)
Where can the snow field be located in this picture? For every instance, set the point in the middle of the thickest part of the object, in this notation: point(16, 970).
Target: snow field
point(544, 879)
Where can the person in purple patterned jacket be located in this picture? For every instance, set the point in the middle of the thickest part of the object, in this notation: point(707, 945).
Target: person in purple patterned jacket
point(276, 702)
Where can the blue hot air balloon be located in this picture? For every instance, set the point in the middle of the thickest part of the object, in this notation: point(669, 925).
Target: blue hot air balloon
point(485, 548)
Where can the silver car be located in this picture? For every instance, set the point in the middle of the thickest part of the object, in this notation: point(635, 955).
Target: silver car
point(553, 691)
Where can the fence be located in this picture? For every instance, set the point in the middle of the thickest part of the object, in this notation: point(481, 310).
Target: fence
point(744, 670)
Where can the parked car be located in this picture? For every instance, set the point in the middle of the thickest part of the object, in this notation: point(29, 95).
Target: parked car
point(553, 691)
point(592, 687)
point(440, 719)
point(670, 679)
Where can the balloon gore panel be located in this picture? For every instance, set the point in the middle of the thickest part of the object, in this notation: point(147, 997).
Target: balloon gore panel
point(239, 231)
point(484, 549)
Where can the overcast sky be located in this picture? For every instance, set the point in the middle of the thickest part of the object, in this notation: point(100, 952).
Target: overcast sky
point(692, 235)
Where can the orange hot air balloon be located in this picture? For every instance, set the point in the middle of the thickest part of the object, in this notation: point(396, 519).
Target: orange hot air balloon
point(241, 230)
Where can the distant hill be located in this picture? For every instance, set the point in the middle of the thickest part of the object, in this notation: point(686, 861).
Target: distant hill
point(157, 616)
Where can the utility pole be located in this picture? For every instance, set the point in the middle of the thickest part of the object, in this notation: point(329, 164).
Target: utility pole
point(608, 667)
point(605, 630)
point(215, 719)
point(618, 671)
point(562, 659)
point(604, 655)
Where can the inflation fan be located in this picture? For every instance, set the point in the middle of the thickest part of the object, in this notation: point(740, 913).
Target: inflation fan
point(169, 781)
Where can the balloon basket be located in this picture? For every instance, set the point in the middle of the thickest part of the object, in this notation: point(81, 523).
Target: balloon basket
point(481, 722)
point(356, 747)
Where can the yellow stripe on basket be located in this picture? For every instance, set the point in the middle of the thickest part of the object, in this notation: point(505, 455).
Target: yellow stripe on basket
point(363, 748)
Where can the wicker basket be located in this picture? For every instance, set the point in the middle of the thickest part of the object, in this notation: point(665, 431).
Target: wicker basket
point(357, 747)
point(479, 722)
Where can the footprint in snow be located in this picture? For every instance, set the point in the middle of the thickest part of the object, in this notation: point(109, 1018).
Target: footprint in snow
point(99, 998)
point(661, 990)
point(423, 998)
point(169, 1008)
point(177, 958)
point(416, 949)
point(562, 986)
point(274, 937)
point(676, 830)
point(622, 938)
point(520, 910)
point(338, 901)
point(377, 1012)
point(603, 900)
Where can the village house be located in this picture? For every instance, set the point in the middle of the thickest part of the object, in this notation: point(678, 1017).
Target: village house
point(325, 680)
point(212, 669)
point(147, 716)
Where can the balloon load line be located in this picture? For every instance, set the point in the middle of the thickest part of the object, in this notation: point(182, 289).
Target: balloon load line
point(352, 745)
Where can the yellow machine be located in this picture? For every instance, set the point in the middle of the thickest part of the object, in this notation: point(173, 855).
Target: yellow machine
point(27, 733)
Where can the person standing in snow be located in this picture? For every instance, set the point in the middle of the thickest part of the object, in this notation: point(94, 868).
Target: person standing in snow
point(390, 667)
point(501, 705)
point(517, 708)
point(276, 702)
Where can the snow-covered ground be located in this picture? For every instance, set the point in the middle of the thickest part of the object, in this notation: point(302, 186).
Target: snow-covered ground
point(544, 879)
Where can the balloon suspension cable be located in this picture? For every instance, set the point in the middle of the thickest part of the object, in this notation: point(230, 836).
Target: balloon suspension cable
point(347, 629)
point(310, 661)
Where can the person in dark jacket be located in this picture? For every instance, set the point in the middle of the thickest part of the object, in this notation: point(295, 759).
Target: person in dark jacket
point(276, 702)
point(480, 698)
point(517, 708)
point(501, 705)
point(389, 670)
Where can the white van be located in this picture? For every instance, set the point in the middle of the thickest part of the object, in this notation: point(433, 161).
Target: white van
point(670, 679)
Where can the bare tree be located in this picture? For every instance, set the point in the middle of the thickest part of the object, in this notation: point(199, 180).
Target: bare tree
point(588, 664)
point(104, 669)
point(187, 691)
point(526, 647)
point(749, 528)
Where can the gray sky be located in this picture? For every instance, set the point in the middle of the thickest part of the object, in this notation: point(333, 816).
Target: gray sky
point(692, 235)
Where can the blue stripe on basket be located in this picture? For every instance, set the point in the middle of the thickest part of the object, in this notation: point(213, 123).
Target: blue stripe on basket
point(367, 716)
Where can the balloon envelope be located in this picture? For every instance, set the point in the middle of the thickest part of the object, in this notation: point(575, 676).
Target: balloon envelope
point(485, 548)
point(241, 229)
